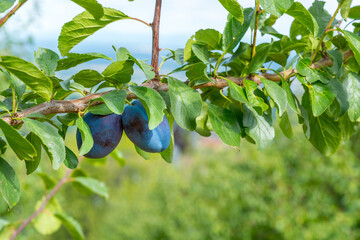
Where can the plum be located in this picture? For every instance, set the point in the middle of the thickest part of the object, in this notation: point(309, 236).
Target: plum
point(106, 131)
point(135, 122)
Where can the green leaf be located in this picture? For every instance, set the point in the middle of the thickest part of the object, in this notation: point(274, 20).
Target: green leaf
point(225, 125)
point(285, 125)
point(92, 6)
point(237, 92)
point(345, 8)
point(258, 128)
point(122, 54)
point(168, 153)
point(352, 86)
point(49, 182)
point(201, 51)
point(321, 97)
point(22, 147)
point(325, 134)
point(101, 109)
point(234, 31)
point(289, 95)
point(188, 49)
point(118, 157)
point(71, 161)
point(304, 68)
point(202, 121)
point(73, 226)
point(354, 12)
point(29, 74)
point(88, 78)
point(186, 103)
point(277, 94)
point(276, 7)
point(304, 17)
point(142, 153)
point(74, 59)
point(119, 72)
point(50, 138)
point(68, 119)
point(9, 184)
point(87, 139)
point(15, 83)
point(47, 60)
point(115, 101)
point(354, 43)
point(93, 185)
point(84, 25)
point(196, 72)
point(233, 7)
point(4, 108)
point(341, 95)
point(153, 103)
point(254, 100)
point(31, 166)
point(5, 5)
point(259, 58)
point(209, 37)
point(46, 223)
point(321, 15)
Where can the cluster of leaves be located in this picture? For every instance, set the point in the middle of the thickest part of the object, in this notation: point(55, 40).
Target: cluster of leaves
point(328, 109)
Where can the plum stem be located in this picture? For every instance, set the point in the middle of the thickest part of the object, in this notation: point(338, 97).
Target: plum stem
point(155, 38)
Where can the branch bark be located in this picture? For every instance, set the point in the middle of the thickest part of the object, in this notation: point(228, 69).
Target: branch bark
point(12, 12)
point(155, 38)
point(80, 104)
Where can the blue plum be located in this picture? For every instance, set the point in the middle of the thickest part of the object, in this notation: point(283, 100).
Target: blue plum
point(136, 126)
point(106, 131)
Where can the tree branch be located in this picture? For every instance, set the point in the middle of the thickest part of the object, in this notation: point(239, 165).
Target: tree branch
point(12, 12)
point(80, 104)
point(63, 180)
point(155, 38)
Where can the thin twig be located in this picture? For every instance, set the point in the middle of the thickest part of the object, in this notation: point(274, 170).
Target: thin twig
point(326, 31)
point(63, 180)
point(12, 12)
point(155, 38)
point(256, 28)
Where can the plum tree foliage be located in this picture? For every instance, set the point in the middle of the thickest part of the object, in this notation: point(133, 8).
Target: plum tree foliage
point(236, 89)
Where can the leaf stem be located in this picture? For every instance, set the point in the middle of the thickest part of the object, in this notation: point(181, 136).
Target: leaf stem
point(14, 101)
point(256, 28)
point(326, 30)
point(62, 181)
point(12, 12)
point(142, 21)
point(155, 38)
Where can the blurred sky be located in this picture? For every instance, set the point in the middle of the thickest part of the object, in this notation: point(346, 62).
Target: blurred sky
point(179, 20)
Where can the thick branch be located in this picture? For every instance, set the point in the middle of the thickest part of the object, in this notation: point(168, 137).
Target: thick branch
point(155, 38)
point(74, 106)
point(12, 12)
point(63, 180)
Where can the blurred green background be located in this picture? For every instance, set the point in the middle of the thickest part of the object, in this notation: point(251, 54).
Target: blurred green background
point(211, 191)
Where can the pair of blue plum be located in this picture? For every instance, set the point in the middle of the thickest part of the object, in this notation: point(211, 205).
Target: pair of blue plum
point(107, 130)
